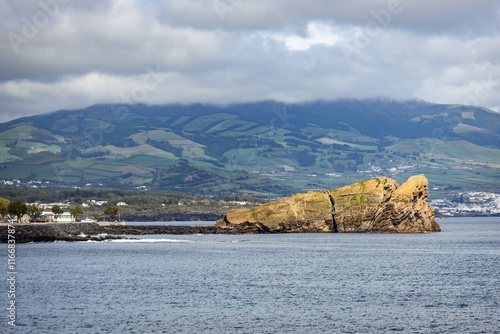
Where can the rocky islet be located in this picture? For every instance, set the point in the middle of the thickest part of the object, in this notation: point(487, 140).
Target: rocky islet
point(376, 205)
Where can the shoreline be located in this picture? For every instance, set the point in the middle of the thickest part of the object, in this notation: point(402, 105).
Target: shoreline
point(172, 216)
point(50, 232)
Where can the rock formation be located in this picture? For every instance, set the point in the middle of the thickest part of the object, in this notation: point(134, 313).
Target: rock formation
point(376, 205)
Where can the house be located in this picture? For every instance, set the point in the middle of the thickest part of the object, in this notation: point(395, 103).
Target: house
point(65, 217)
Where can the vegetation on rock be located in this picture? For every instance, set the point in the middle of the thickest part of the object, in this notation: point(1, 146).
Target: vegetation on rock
point(376, 205)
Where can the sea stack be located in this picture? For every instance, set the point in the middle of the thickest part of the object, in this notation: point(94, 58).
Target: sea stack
point(376, 205)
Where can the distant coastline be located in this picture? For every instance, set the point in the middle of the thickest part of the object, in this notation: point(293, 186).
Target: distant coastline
point(466, 214)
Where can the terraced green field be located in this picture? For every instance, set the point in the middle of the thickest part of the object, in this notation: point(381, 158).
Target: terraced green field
point(254, 148)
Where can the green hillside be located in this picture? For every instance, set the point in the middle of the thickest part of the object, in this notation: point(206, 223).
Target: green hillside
point(263, 149)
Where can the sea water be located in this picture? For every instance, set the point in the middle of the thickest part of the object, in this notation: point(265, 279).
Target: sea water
point(447, 282)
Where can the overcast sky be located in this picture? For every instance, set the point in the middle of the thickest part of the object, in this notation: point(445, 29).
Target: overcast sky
point(60, 54)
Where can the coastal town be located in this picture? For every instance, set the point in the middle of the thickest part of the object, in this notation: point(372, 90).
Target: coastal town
point(468, 204)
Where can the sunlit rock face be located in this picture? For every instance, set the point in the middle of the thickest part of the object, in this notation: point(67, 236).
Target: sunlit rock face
point(376, 205)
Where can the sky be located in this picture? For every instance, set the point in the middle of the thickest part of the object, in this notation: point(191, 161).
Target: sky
point(68, 54)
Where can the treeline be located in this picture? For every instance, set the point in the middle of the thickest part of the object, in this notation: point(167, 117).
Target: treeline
point(79, 195)
point(19, 210)
point(149, 199)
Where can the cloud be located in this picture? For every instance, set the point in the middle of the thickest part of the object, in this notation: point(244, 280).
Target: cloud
point(62, 54)
point(461, 16)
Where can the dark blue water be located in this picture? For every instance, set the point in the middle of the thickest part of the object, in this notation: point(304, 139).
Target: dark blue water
point(446, 282)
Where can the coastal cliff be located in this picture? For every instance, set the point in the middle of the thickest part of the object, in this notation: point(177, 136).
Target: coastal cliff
point(376, 205)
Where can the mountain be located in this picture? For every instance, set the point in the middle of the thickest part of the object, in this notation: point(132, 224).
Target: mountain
point(263, 148)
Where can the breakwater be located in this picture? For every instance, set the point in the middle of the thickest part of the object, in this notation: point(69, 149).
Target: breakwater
point(92, 231)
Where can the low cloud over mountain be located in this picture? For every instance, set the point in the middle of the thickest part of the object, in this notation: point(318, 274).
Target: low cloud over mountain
point(66, 54)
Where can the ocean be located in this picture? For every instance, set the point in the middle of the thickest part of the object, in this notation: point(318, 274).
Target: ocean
point(447, 282)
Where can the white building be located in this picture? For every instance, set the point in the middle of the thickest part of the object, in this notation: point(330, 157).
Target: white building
point(65, 217)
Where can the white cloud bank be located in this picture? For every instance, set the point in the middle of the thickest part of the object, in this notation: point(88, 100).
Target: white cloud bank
point(60, 54)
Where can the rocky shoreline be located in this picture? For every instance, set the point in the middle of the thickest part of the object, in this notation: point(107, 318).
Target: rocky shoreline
point(94, 232)
point(172, 216)
point(379, 205)
point(50, 232)
point(26, 233)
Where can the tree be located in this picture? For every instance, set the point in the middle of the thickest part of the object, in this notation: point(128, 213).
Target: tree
point(358, 157)
point(76, 211)
point(4, 207)
point(95, 215)
point(305, 159)
point(57, 211)
point(18, 209)
point(34, 211)
point(112, 211)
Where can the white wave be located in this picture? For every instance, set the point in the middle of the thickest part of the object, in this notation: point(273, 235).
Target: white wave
point(235, 241)
point(152, 241)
